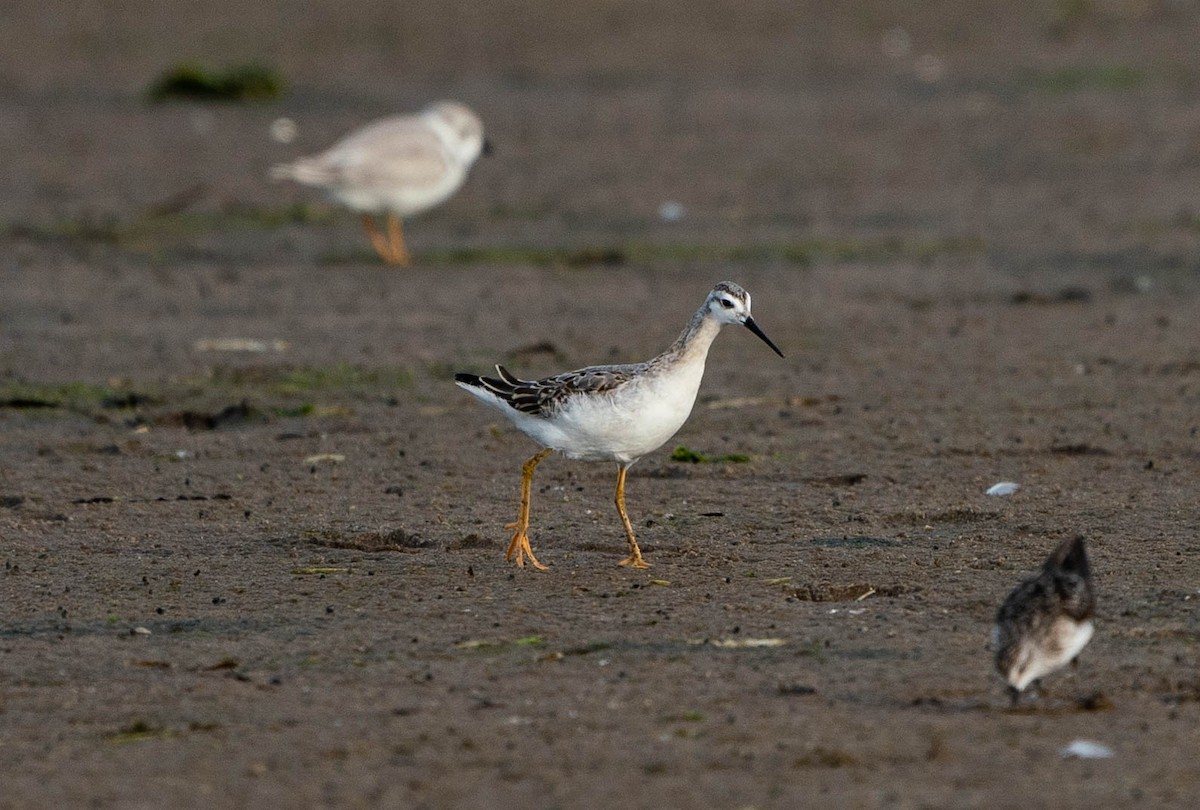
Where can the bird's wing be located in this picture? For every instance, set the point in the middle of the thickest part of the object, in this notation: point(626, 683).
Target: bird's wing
point(543, 397)
point(399, 151)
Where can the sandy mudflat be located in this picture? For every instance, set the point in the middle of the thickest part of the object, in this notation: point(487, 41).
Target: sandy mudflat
point(252, 535)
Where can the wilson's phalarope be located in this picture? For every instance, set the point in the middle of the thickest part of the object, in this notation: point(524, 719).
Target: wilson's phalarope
point(611, 413)
point(399, 166)
point(1047, 620)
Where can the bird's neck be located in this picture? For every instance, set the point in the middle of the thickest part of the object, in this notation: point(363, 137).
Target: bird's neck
point(696, 337)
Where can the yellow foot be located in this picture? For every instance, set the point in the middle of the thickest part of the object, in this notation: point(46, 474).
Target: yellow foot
point(635, 561)
point(398, 259)
point(519, 547)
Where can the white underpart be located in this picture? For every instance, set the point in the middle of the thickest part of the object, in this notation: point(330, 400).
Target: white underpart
point(404, 201)
point(632, 421)
point(1039, 657)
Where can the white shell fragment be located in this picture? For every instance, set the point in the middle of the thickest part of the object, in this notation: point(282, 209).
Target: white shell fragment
point(239, 345)
point(1086, 749)
point(1003, 488)
point(335, 458)
point(284, 130)
point(739, 643)
point(671, 211)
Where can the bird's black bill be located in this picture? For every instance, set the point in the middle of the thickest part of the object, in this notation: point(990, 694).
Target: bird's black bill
point(487, 149)
point(753, 327)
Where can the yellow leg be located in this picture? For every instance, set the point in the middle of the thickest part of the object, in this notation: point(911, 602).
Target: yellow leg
point(635, 554)
point(396, 240)
point(378, 240)
point(520, 539)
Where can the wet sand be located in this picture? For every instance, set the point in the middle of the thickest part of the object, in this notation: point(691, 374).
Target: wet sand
point(253, 535)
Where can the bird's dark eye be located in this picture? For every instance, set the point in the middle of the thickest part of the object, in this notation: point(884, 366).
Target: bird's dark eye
point(725, 302)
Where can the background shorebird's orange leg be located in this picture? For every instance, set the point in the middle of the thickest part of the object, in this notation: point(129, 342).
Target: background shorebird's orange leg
point(378, 240)
point(635, 553)
point(520, 539)
point(396, 240)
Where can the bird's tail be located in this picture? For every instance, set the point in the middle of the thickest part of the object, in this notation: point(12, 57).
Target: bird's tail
point(305, 171)
point(505, 385)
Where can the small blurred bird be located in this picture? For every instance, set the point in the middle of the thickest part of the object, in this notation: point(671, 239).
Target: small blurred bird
point(1046, 621)
point(397, 166)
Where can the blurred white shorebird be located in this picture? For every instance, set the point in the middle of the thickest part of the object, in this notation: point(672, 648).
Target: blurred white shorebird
point(397, 166)
point(1046, 621)
point(611, 413)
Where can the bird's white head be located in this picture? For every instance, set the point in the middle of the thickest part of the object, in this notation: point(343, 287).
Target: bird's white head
point(730, 303)
point(460, 129)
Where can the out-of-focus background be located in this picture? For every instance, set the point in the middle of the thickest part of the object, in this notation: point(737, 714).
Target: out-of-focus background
point(766, 121)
